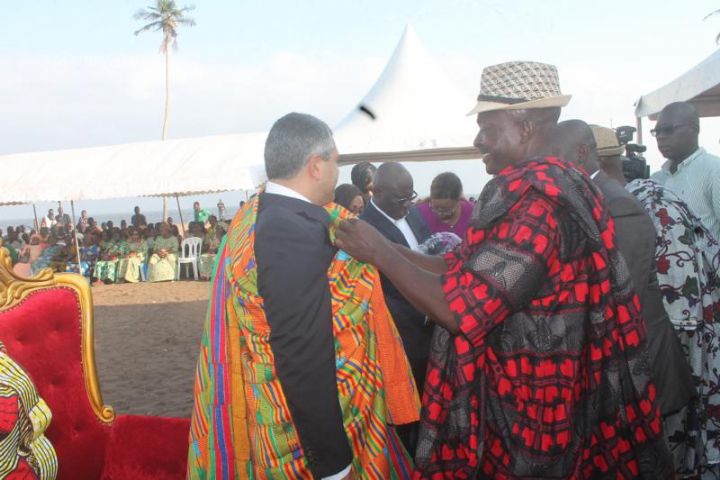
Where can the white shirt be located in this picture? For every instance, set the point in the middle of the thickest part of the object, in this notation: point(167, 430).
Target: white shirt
point(697, 182)
point(402, 225)
point(277, 189)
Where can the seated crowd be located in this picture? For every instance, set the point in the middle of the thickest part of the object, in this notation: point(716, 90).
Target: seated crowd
point(109, 253)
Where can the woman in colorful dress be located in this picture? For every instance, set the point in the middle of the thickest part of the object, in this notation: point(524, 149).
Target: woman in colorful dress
point(163, 262)
point(133, 261)
point(89, 254)
point(211, 243)
point(111, 251)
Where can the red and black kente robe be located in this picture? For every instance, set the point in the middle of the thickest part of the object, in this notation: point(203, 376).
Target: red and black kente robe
point(549, 377)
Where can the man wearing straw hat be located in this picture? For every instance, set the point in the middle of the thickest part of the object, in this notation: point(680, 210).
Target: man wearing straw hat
point(541, 368)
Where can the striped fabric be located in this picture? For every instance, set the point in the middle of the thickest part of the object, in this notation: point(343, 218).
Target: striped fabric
point(241, 424)
point(24, 417)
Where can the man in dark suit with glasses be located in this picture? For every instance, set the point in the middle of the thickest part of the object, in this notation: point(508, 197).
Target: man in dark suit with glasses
point(391, 212)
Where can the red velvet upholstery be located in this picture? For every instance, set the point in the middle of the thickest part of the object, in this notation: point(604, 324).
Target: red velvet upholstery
point(147, 448)
point(43, 334)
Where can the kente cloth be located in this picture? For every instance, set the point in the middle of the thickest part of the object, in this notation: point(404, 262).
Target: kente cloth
point(549, 375)
point(241, 424)
point(25, 452)
point(688, 259)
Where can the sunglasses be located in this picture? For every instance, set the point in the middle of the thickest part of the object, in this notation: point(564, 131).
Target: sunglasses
point(666, 129)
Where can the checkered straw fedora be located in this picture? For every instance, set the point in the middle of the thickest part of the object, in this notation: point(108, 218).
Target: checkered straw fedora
point(519, 85)
point(607, 141)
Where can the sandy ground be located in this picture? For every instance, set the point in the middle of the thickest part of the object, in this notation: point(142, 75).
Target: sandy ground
point(147, 339)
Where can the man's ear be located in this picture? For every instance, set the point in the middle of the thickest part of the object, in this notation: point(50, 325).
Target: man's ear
point(583, 153)
point(313, 166)
point(527, 130)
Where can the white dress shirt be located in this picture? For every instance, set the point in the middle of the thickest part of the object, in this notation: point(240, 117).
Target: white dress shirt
point(277, 189)
point(402, 225)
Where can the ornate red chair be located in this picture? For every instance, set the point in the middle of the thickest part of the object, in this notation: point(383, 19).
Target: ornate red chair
point(46, 324)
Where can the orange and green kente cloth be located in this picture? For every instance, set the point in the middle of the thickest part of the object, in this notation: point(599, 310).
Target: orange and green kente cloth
point(241, 424)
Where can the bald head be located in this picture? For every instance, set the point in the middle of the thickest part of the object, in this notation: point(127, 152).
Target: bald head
point(677, 130)
point(393, 189)
point(574, 142)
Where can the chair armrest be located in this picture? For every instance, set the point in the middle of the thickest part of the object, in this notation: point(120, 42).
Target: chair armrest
point(142, 447)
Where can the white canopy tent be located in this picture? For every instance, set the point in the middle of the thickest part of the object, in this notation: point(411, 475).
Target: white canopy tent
point(700, 86)
point(412, 113)
point(171, 167)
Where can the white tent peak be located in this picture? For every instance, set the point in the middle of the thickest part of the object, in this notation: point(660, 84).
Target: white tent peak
point(413, 105)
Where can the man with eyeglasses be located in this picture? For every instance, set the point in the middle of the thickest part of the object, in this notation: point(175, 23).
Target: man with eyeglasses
point(690, 171)
point(391, 212)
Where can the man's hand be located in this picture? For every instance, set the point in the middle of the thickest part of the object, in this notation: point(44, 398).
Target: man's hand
point(360, 240)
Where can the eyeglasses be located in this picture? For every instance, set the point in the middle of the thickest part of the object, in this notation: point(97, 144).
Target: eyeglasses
point(666, 129)
point(444, 210)
point(402, 200)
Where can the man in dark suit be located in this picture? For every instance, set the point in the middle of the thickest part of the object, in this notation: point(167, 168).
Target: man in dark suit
point(293, 253)
point(390, 211)
point(635, 236)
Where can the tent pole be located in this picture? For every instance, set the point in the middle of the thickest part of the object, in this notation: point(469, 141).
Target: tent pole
point(182, 222)
point(77, 244)
point(37, 224)
point(638, 122)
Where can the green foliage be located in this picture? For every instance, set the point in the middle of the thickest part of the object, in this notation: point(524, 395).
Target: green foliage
point(165, 16)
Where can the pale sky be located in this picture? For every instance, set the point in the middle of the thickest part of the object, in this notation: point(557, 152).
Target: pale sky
point(74, 75)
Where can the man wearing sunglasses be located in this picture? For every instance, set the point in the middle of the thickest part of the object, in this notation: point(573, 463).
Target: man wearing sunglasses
point(390, 210)
point(691, 172)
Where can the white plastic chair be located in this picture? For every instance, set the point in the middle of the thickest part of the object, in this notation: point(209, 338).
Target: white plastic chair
point(190, 249)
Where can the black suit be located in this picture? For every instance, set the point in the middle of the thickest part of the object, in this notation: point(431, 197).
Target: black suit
point(635, 236)
point(293, 253)
point(414, 330)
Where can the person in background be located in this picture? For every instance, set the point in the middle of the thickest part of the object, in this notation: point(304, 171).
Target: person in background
point(390, 211)
point(62, 217)
point(138, 219)
point(690, 172)
point(200, 214)
point(163, 262)
point(83, 221)
point(221, 210)
point(211, 243)
point(112, 250)
point(134, 259)
point(49, 220)
point(635, 235)
point(350, 197)
point(447, 210)
point(687, 257)
point(361, 176)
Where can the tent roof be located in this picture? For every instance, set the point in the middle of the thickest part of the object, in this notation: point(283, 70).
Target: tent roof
point(700, 86)
point(183, 167)
point(413, 107)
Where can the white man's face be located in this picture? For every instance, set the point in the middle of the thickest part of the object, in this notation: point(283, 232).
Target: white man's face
point(329, 177)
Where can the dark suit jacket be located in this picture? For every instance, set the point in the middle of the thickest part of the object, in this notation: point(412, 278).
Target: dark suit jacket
point(293, 253)
point(635, 236)
point(410, 322)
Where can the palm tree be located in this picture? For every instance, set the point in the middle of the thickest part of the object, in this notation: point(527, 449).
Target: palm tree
point(166, 16)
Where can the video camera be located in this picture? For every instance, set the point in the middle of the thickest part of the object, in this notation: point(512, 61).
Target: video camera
point(634, 164)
